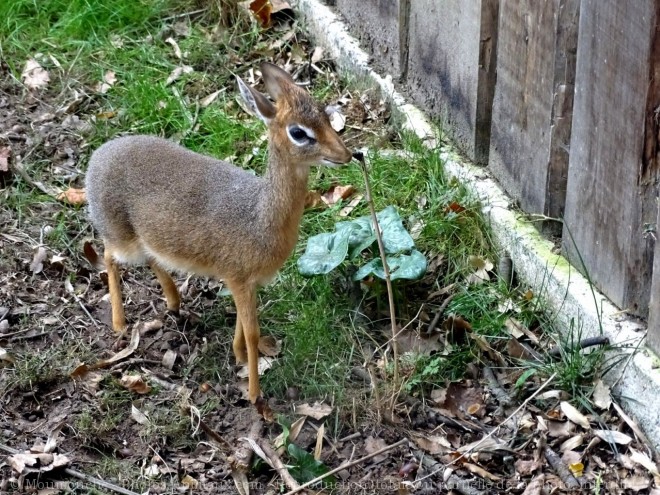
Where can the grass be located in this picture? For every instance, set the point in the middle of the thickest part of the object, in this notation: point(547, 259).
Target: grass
point(34, 371)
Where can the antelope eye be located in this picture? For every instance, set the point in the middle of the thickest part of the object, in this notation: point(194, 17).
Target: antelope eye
point(299, 135)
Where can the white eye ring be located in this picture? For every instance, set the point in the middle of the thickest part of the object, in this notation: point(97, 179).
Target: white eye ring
point(295, 133)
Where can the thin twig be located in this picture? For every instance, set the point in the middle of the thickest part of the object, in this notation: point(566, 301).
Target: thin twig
point(185, 14)
point(439, 313)
point(386, 269)
point(347, 465)
point(213, 434)
point(81, 476)
point(75, 296)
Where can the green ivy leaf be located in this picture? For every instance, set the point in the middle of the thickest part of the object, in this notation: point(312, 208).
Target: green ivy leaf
point(306, 468)
point(405, 266)
point(395, 237)
point(523, 378)
point(324, 253)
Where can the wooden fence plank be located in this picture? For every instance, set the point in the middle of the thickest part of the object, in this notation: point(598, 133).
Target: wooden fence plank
point(451, 67)
point(376, 24)
point(613, 167)
point(532, 108)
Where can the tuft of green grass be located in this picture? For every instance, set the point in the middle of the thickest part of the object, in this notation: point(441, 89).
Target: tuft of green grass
point(66, 26)
point(32, 371)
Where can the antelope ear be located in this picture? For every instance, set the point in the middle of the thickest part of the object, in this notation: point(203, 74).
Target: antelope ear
point(276, 79)
point(256, 102)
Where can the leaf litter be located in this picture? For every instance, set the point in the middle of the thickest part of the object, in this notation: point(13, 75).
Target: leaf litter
point(150, 364)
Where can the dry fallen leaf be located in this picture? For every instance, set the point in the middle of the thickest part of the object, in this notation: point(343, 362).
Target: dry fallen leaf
point(526, 467)
point(182, 28)
point(34, 76)
point(372, 444)
point(559, 429)
point(535, 487)
point(262, 10)
point(207, 100)
point(613, 436)
point(135, 383)
point(434, 444)
point(346, 210)
point(337, 193)
point(175, 47)
point(177, 73)
point(574, 415)
point(317, 55)
point(82, 369)
point(40, 255)
point(109, 80)
point(169, 358)
point(106, 115)
point(279, 5)
point(481, 472)
point(189, 481)
point(5, 357)
point(644, 460)
point(36, 462)
point(572, 443)
point(139, 416)
point(454, 207)
point(316, 411)
point(337, 119)
point(73, 196)
point(280, 444)
point(410, 340)
point(481, 268)
point(269, 345)
point(601, 396)
point(5, 152)
point(318, 448)
point(265, 363)
point(636, 483)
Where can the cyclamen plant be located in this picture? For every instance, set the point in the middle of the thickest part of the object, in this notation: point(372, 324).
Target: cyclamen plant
point(327, 251)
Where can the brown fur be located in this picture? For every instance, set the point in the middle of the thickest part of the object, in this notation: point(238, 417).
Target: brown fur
point(155, 202)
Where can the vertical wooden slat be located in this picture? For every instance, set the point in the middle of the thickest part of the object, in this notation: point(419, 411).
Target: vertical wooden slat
point(531, 121)
point(611, 192)
point(487, 75)
point(451, 64)
point(376, 24)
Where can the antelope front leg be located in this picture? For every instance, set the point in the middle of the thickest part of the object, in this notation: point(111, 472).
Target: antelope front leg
point(114, 285)
point(245, 298)
point(240, 350)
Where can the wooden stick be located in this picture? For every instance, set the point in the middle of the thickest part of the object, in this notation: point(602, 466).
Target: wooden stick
point(243, 454)
point(583, 344)
point(381, 249)
point(561, 469)
point(82, 476)
point(347, 465)
point(277, 464)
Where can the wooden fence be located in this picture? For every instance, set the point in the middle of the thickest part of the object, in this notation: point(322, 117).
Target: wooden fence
point(560, 99)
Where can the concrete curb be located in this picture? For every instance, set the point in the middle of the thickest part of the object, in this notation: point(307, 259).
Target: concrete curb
point(566, 291)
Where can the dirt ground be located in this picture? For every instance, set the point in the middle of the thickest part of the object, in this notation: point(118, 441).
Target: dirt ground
point(185, 431)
